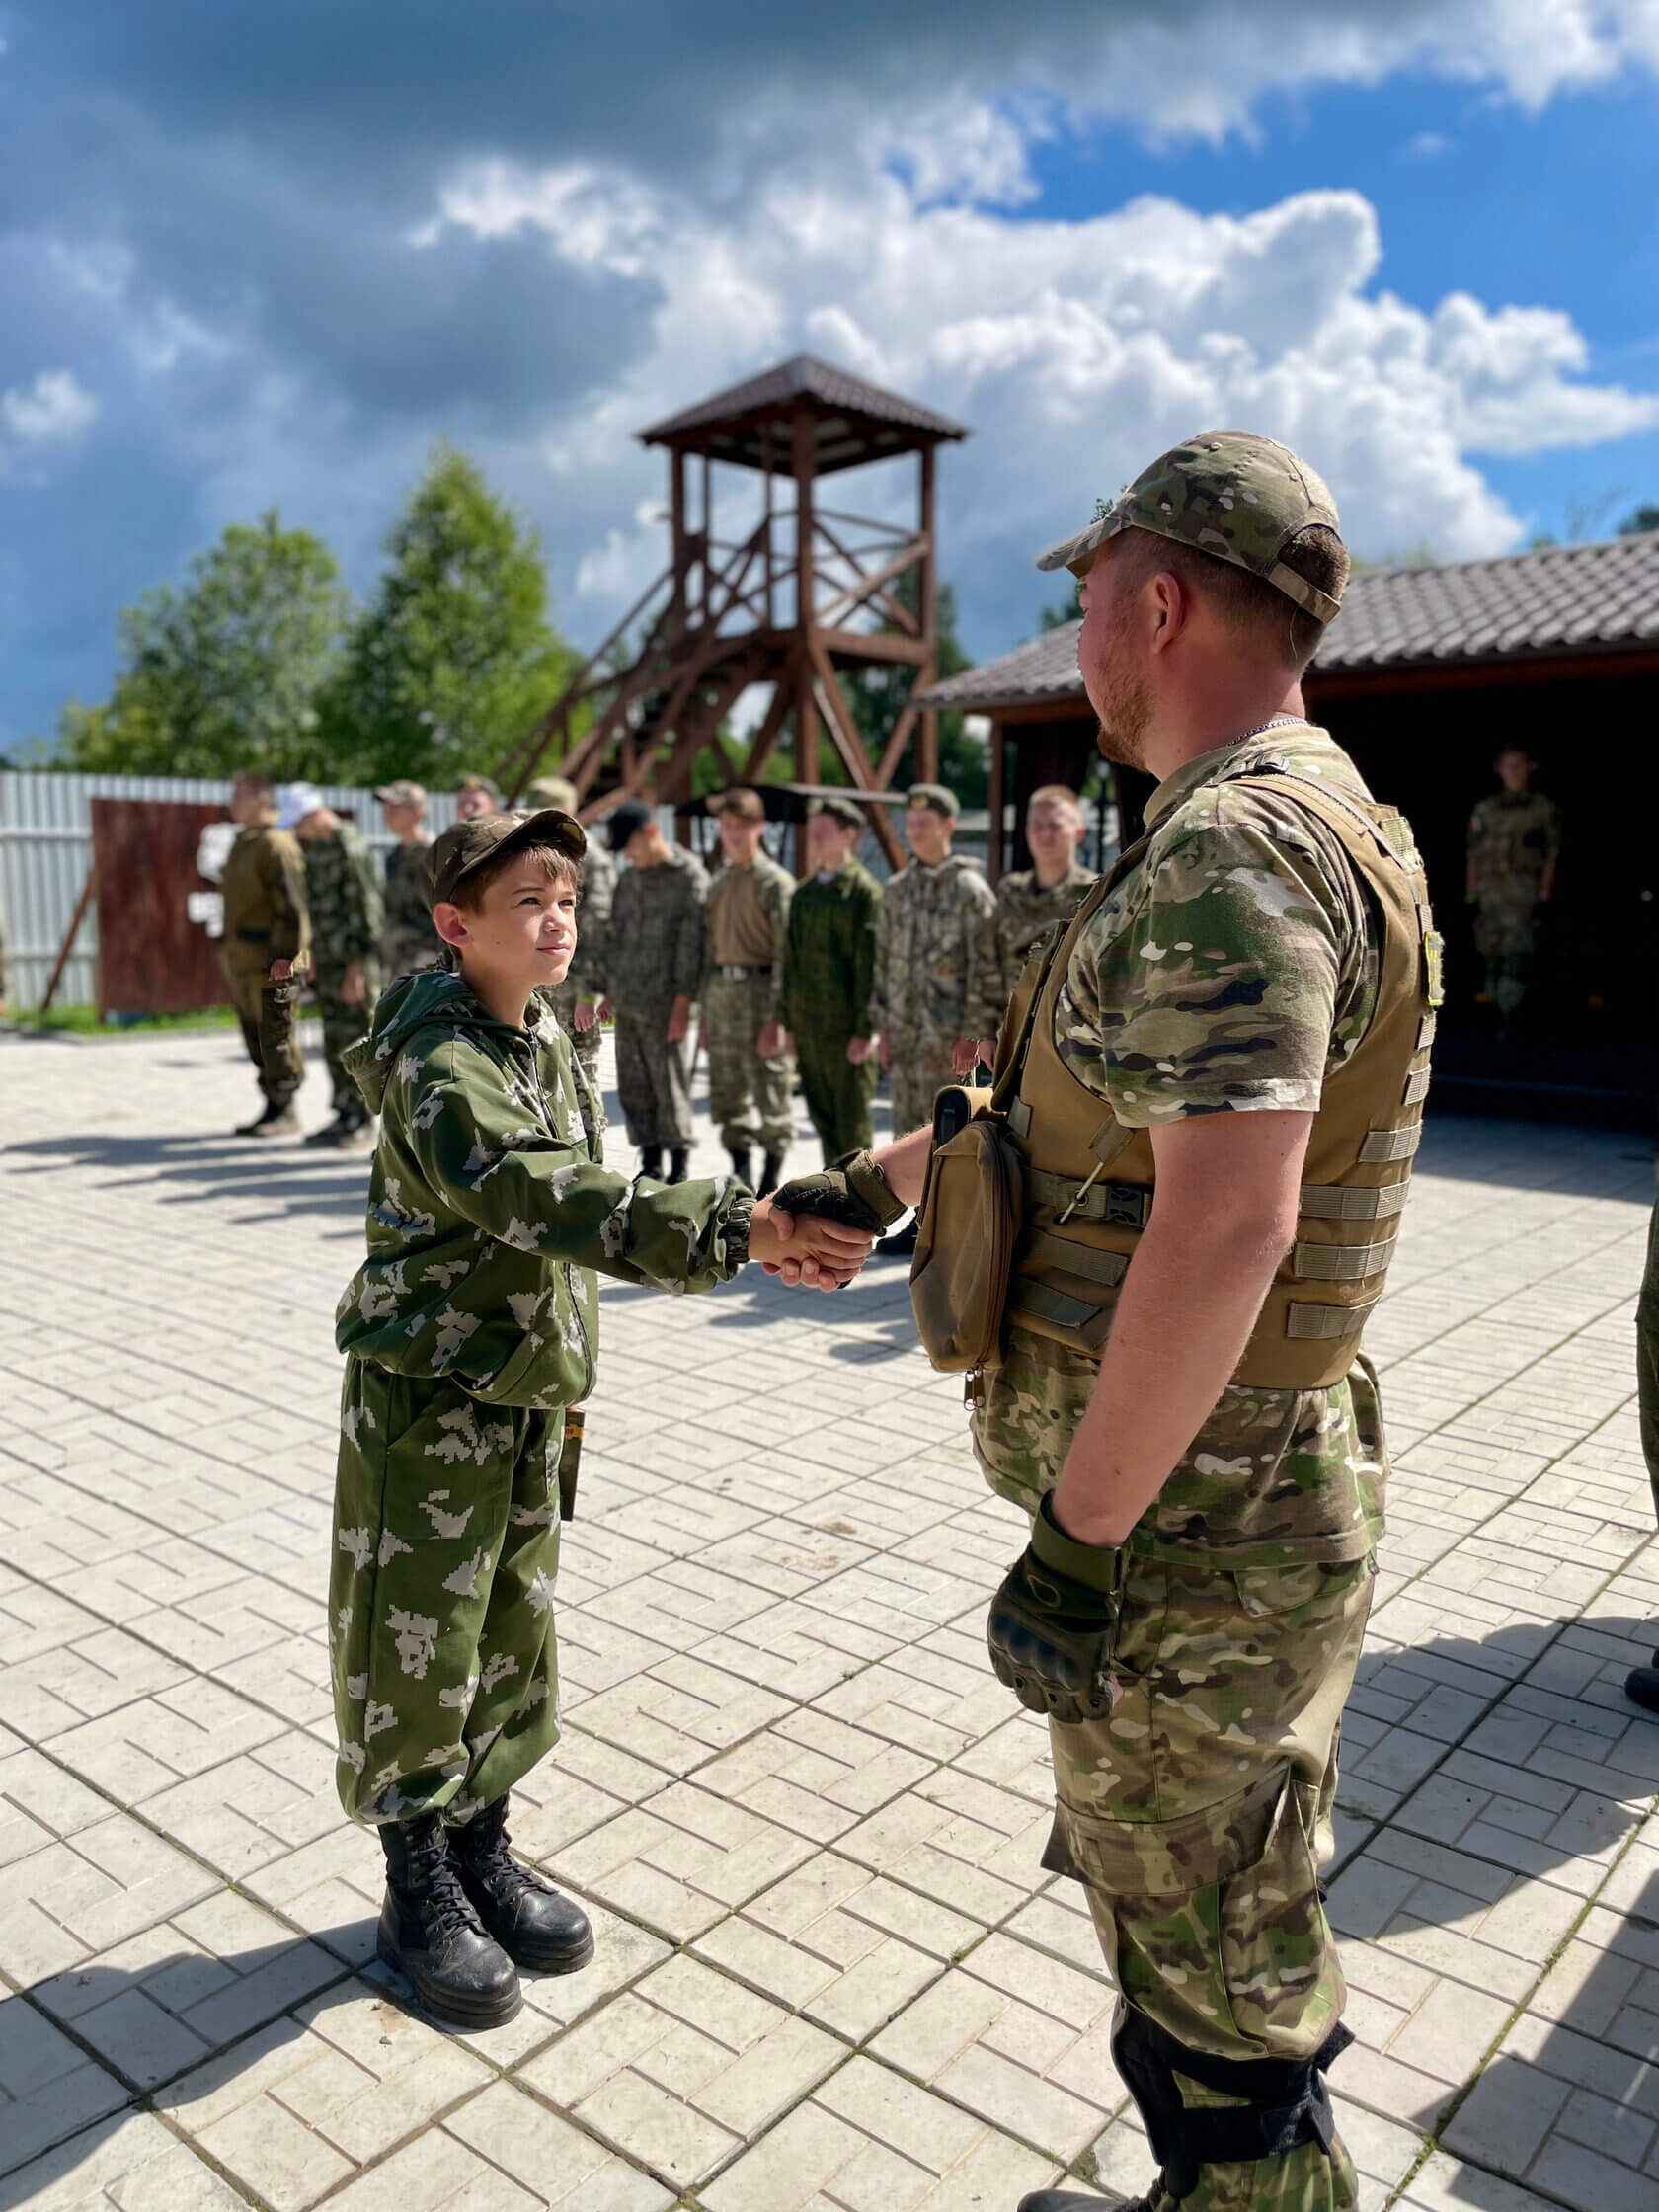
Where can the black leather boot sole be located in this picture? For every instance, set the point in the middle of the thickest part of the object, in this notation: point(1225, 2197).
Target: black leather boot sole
point(450, 2008)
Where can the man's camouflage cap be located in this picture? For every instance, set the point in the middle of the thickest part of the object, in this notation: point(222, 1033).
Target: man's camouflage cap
point(466, 845)
point(552, 791)
point(1228, 493)
point(839, 810)
point(934, 795)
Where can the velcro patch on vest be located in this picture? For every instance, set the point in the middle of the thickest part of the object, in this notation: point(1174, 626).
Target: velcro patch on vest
point(1342, 1263)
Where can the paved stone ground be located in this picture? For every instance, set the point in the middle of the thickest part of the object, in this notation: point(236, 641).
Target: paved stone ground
point(807, 1822)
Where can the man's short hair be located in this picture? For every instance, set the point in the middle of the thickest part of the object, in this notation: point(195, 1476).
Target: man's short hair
point(1246, 601)
point(1058, 795)
point(251, 779)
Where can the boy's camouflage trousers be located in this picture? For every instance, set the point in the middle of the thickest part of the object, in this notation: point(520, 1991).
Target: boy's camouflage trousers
point(343, 1025)
point(920, 1067)
point(440, 1595)
point(750, 1098)
point(1197, 1818)
point(839, 1096)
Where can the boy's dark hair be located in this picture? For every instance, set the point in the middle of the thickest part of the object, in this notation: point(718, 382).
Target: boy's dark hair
point(468, 893)
point(1249, 602)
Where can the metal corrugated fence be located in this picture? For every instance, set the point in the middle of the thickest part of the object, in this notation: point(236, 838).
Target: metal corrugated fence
point(45, 850)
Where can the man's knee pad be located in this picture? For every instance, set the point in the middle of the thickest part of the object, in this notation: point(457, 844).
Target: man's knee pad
point(1285, 2101)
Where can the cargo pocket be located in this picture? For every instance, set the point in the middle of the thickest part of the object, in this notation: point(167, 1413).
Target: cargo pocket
point(1279, 1964)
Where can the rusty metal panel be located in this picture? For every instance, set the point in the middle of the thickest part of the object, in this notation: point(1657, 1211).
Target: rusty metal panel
point(154, 956)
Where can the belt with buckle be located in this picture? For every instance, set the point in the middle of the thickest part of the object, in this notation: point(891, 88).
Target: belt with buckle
point(733, 971)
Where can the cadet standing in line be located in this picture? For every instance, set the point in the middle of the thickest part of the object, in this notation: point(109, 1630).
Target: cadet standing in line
point(1216, 1090)
point(408, 940)
point(265, 919)
point(344, 898)
point(1514, 846)
point(653, 966)
point(471, 1334)
point(824, 1011)
point(746, 927)
point(1033, 901)
point(938, 973)
point(577, 1001)
point(474, 796)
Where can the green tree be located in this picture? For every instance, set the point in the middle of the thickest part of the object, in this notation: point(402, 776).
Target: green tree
point(453, 658)
point(1641, 520)
point(877, 694)
point(223, 671)
point(1056, 617)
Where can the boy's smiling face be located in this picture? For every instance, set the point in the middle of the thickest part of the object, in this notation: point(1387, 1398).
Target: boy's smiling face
point(520, 937)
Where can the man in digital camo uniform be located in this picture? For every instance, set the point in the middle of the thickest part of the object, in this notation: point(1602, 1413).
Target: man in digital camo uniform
point(344, 896)
point(745, 928)
point(264, 921)
point(1514, 847)
point(576, 1003)
point(1218, 1096)
point(408, 944)
point(653, 970)
point(938, 972)
point(825, 1009)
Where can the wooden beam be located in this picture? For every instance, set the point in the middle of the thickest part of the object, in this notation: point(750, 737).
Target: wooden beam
point(69, 936)
point(803, 460)
point(875, 645)
point(766, 736)
point(850, 746)
point(927, 742)
point(995, 842)
point(892, 751)
point(872, 585)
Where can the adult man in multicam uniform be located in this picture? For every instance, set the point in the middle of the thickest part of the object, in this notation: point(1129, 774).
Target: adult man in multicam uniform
point(408, 943)
point(1216, 1095)
point(576, 1003)
point(1514, 847)
point(344, 896)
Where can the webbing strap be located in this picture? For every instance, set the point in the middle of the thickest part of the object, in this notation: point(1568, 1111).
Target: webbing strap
point(1342, 1263)
point(1425, 1032)
point(1416, 1088)
point(1328, 1322)
point(1129, 1204)
point(1338, 1201)
point(1040, 1301)
point(1058, 1252)
point(1387, 1144)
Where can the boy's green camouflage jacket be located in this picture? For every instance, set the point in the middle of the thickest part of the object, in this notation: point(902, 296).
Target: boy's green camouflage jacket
point(489, 1209)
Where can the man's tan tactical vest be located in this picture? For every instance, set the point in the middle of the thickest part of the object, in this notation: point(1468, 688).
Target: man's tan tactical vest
point(1089, 1182)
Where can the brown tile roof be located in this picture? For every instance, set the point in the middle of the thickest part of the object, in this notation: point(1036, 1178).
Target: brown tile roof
point(883, 420)
point(1565, 598)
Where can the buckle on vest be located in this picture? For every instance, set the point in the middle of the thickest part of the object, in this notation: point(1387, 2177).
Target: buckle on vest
point(1123, 1204)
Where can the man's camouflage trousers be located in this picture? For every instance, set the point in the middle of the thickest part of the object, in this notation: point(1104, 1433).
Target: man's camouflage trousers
point(653, 1080)
point(584, 1042)
point(440, 1595)
point(920, 1066)
point(343, 1025)
point(750, 1098)
point(279, 1084)
point(1197, 1818)
point(839, 1096)
point(1506, 938)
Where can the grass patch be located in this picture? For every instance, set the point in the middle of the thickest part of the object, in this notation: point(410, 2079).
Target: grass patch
point(86, 1021)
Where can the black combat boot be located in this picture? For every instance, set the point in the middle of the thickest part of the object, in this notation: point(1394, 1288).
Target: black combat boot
point(651, 1161)
point(1641, 1686)
point(743, 1164)
point(771, 1174)
point(680, 1164)
point(534, 1922)
point(429, 1933)
point(1063, 2200)
point(330, 1137)
point(274, 1110)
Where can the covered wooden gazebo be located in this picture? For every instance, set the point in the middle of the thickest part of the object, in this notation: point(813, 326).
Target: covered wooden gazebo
point(788, 596)
point(1426, 673)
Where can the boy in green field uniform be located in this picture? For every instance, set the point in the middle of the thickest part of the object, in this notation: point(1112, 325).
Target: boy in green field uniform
point(470, 1331)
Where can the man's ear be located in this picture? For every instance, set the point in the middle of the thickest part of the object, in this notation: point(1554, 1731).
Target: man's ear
point(450, 923)
point(1169, 606)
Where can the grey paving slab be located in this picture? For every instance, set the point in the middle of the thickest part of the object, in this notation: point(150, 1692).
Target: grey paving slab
point(805, 1820)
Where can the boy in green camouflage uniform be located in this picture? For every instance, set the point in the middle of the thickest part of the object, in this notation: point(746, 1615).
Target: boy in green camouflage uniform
point(470, 1334)
point(1191, 1609)
point(408, 941)
point(826, 1006)
point(577, 999)
point(344, 896)
point(1030, 901)
point(746, 927)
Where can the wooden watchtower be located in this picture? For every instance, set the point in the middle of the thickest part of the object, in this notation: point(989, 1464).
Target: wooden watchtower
point(778, 588)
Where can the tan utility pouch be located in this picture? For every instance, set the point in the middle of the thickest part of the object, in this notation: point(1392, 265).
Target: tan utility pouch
point(972, 1207)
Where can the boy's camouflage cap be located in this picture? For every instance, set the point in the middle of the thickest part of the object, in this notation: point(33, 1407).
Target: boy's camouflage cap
point(839, 810)
point(746, 804)
point(466, 845)
point(552, 791)
point(1228, 493)
point(934, 795)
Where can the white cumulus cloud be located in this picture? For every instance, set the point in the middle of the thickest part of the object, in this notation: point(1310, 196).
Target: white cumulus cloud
point(54, 410)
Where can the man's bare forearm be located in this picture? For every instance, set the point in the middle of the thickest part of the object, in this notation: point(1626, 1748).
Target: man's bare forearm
point(1184, 1315)
point(905, 1164)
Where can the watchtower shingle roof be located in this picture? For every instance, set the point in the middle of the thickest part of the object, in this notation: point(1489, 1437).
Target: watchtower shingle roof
point(1560, 599)
point(855, 421)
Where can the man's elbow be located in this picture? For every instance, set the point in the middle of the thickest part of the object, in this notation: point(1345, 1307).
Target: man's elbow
point(1239, 1232)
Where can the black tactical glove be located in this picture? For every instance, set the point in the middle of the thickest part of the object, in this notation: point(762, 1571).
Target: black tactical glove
point(854, 1191)
point(1053, 1623)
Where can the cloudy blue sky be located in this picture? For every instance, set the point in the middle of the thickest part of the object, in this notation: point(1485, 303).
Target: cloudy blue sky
point(258, 252)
